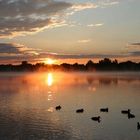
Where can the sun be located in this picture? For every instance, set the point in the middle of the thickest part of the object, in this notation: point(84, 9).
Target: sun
point(49, 61)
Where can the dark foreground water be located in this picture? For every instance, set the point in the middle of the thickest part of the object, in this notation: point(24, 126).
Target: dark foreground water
point(28, 100)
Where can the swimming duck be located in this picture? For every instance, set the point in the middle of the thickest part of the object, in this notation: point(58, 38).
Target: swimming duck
point(80, 110)
point(125, 111)
point(138, 126)
point(58, 107)
point(96, 118)
point(130, 116)
point(104, 110)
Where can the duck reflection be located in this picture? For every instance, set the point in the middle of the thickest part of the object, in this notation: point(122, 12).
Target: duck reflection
point(90, 80)
point(105, 81)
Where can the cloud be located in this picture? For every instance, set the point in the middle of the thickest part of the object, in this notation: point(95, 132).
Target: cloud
point(135, 44)
point(135, 53)
point(84, 41)
point(95, 25)
point(80, 56)
point(91, 5)
point(12, 52)
point(87, 56)
point(17, 26)
point(30, 7)
point(105, 3)
point(79, 7)
point(21, 17)
point(12, 49)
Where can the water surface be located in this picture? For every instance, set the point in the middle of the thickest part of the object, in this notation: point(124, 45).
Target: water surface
point(28, 101)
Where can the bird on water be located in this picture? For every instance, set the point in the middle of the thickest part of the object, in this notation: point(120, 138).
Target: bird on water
point(58, 107)
point(98, 119)
point(80, 110)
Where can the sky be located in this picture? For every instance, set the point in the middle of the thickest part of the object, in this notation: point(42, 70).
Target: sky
point(69, 30)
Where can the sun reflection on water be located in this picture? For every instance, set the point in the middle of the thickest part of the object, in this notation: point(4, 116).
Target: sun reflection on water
point(49, 80)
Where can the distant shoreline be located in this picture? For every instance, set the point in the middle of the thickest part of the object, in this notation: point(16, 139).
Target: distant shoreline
point(105, 65)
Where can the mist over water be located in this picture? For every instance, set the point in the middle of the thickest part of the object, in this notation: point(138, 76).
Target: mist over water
point(28, 101)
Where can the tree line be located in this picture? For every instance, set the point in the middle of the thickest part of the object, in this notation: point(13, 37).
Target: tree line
point(103, 65)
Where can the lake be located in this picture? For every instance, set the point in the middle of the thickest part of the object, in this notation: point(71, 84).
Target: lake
point(28, 101)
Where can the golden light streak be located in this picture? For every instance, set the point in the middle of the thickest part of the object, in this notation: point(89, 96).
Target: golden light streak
point(49, 80)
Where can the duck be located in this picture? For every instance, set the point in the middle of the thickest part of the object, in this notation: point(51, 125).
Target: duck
point(104, 110)
point(138, 126)
point(58, 107)
point(130, 116)
point(126, 111)
point(80, 110)
point(96, 118)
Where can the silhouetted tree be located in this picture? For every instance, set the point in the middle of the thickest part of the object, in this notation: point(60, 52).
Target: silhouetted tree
point(90, 65)
point(24, 63)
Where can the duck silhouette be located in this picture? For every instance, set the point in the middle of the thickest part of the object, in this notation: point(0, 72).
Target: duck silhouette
point(58, 107)
point(130, 116)
point(126, 111)
point(98, 119)
point(138, 126)
point(80, 110)
point(104, 110)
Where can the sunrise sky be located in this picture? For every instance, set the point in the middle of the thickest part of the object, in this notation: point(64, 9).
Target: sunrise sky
point(69, 30)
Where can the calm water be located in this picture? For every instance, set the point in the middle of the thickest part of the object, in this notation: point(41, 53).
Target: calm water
point(28, 100)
